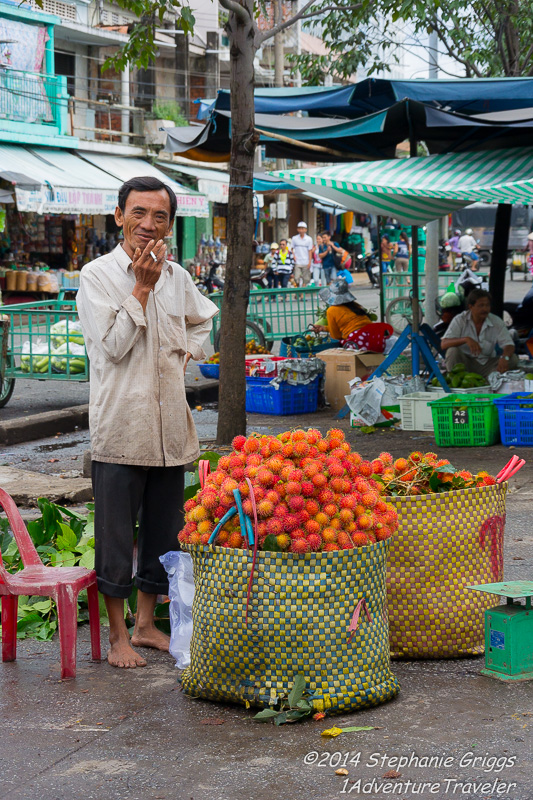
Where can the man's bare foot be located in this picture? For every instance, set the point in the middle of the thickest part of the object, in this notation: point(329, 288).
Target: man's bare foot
point(150, 637)
point(122, 655)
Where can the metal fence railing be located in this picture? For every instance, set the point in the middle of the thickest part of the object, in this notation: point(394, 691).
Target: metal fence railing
point(398, 284)
point(279, 313)
point(32, 97)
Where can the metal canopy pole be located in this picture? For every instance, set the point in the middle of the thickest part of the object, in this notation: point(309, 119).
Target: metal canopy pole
point(380, 273)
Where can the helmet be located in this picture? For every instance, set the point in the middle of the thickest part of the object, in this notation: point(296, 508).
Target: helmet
point(457, 232)
point(450, 300)
point(469, 231)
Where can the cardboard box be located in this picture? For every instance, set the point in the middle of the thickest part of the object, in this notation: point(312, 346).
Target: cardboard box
point(342, 366)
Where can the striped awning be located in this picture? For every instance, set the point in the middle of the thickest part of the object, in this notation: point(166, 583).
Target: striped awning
point(418, 190)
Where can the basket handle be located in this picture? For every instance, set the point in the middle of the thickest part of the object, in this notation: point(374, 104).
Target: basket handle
point(361, 606)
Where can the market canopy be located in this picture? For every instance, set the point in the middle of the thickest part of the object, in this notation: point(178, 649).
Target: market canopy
point(418, 190)
point(369, 119)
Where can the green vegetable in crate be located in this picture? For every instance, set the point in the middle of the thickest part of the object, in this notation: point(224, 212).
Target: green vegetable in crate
point(58, 332)
point(71, 353)
point(35, 356)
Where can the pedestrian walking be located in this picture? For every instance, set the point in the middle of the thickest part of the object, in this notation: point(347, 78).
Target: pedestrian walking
point(269, 258)
point(283, 264)
point(302, 247)
point(402, 253)
point(143, 319)
point(317, 270)
point(333, 256)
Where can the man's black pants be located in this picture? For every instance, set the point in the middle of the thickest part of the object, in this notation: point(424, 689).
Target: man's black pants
point(124, 494)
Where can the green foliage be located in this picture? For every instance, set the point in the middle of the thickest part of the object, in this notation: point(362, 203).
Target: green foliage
point(62, 538)
point(291, 708)
point(141, 48)
point(486, 39)
point(168, 109)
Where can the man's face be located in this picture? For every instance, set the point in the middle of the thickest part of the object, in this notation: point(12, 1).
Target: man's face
point(302, 230)
point(146, 216)
point(326, 237)
point(481, 308)
point(283, 245)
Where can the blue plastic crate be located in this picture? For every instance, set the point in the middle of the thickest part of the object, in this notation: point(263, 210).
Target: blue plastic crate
point(516, 419)
point(262, 398)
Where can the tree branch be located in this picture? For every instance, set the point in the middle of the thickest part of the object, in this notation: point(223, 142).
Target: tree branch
point(452, 52)
point(236, 8)
point(262, 37)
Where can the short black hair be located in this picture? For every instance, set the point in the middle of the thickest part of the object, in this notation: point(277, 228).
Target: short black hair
point(146, 183)
point(477, 294)
point(326, 233)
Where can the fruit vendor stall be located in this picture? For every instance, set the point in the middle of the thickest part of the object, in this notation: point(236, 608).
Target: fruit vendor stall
point(299, 532)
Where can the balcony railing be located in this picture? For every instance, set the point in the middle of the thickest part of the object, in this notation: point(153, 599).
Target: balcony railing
point(107, 121)
point(32, 97)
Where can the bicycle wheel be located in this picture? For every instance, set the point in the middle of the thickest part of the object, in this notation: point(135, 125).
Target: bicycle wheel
point(399, 313)
point(7, 386)
point(253, 331)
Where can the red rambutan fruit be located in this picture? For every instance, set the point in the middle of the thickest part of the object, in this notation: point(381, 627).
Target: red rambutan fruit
point(300, 545)
point(238, 442)
point(314, 541)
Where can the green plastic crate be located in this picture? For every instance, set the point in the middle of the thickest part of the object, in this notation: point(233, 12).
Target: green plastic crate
point(466, 420)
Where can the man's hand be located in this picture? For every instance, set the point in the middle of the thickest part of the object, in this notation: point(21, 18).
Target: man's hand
point(503, 364)
point(473, 346)
point(187, 359)
point(147, 269)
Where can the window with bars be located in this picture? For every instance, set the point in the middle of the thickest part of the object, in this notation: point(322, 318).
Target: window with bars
point(56, 7)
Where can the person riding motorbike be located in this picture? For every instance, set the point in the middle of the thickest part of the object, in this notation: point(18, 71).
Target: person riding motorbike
point(468, 245)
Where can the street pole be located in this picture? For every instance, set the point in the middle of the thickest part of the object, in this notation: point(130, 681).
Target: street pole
point(432, 228)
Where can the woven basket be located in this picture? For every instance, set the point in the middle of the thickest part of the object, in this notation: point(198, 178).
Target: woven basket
point(300, 611)
point(445, 543)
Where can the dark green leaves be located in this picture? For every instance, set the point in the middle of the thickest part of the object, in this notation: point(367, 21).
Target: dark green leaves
point(292, 708)
point(271, 543)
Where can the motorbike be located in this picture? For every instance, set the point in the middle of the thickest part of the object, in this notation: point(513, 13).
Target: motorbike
point(212, 283)
point(444, 254)
point(370, 264)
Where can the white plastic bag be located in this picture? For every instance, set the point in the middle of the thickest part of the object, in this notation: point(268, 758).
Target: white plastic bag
point(181, 594)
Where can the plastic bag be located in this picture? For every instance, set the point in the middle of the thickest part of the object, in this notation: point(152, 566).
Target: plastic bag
point(78, 361)
point(181, 594)
point(58, 332)
point(35, 356)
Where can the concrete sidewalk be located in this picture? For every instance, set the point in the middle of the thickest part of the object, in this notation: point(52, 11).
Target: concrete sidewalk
point(113, 735)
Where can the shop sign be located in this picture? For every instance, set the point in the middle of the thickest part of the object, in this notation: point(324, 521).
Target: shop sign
point(215, 191)
point(192, 205)
point(67, 200)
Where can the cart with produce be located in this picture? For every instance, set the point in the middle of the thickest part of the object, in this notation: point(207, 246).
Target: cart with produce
point(44, 342)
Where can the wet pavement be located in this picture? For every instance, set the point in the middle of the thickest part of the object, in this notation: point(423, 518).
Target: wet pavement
point(111, 735)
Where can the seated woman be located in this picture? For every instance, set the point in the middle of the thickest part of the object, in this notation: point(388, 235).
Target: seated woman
point(473, 335)
point(348, 321)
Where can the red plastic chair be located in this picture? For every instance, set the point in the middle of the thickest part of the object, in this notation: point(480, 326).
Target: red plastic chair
point(62, 584)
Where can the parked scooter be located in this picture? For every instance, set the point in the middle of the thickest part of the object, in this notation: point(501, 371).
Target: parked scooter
point(370, 264)
point(211, 282)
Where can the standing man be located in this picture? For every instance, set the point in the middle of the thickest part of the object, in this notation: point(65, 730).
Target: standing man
point(143, 319)
point(302, 248)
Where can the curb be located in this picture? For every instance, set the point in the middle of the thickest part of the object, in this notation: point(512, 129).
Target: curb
point(66, 420)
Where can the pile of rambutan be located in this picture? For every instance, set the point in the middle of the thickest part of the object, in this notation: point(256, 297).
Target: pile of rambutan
point(424, 473)
point(312, 493)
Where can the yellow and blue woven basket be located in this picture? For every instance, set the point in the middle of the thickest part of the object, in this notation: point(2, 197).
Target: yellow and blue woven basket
point(299, 616)
point(444, 543)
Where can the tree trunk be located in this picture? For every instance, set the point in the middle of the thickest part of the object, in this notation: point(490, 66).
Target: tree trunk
point(232, 390)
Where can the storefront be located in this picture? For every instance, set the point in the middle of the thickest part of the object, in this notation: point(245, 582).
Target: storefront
point(57, 214)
